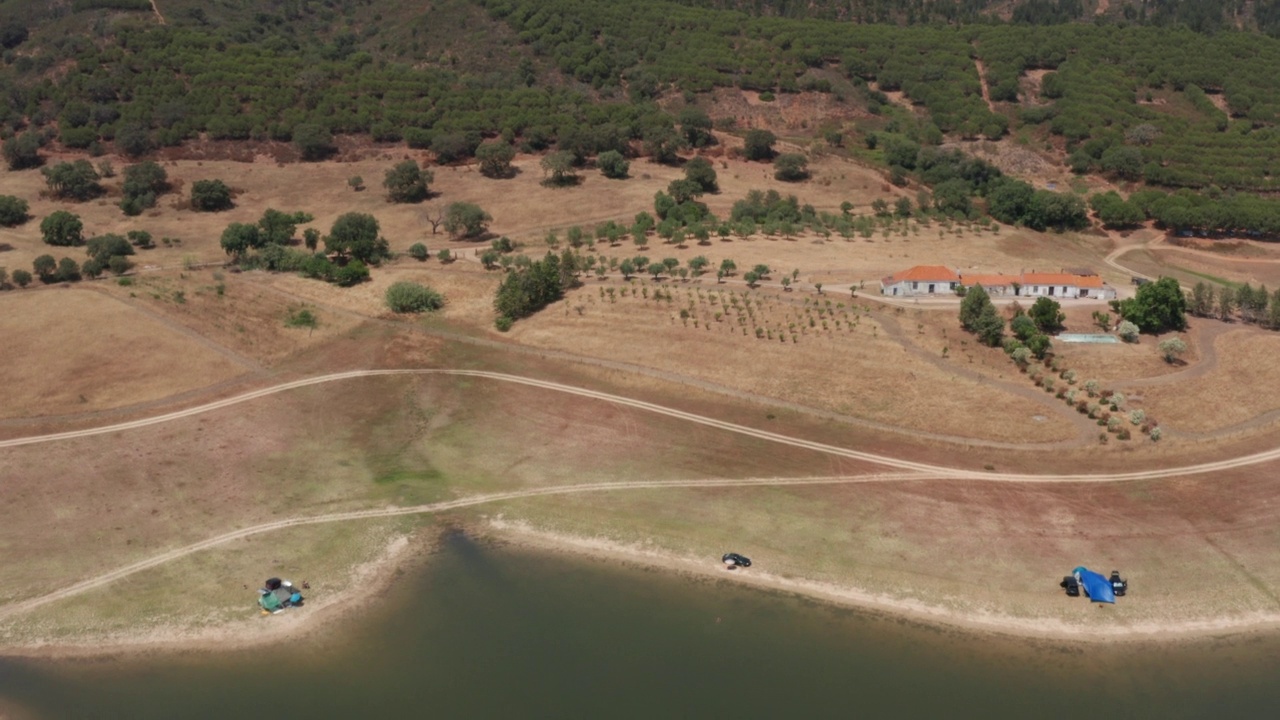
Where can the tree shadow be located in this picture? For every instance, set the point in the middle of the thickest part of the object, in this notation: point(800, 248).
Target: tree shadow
point(564, 181)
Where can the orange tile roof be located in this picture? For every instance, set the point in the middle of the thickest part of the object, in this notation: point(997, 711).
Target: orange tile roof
point(1043, 278)
point(935, 273)
point(989, 280)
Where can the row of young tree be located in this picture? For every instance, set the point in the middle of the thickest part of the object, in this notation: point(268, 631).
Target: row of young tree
point(1249, 304)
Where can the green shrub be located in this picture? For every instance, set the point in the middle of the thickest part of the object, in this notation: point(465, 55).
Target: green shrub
point(411, 297)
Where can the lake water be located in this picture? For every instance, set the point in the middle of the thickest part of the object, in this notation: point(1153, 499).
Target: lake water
point(494, 633)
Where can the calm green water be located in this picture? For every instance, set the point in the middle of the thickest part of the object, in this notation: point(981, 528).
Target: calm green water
point(491, 633)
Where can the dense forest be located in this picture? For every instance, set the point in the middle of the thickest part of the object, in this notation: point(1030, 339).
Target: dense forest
point(1146, 94)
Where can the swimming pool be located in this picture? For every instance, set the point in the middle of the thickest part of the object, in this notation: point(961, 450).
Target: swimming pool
point(1087, 338)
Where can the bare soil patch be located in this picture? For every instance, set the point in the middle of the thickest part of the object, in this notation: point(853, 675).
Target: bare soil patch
point(72, 350)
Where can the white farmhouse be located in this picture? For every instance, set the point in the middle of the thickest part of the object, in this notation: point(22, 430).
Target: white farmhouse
point(921, 280)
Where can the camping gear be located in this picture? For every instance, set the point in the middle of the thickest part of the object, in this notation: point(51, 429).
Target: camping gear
point(1071, 585)
point(1118, 584)
point(1097, 587)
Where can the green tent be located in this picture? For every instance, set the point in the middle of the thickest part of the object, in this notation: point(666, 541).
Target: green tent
point(269, 602)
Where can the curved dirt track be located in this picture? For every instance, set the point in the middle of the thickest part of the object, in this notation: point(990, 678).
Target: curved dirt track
point(939, 471)
point(912, 470)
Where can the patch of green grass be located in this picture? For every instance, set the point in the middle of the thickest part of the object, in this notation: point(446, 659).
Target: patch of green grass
point(1207, 276)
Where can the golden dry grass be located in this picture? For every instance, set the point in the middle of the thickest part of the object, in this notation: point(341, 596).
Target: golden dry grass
point(1235, 392)
point(72, 350)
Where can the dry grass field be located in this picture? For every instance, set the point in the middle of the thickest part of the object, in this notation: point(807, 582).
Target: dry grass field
point(907, 374)
point(73, 350)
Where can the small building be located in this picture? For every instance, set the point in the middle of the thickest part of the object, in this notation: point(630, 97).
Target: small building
point(1065, 285)
point(996, 285)
point(921, 280)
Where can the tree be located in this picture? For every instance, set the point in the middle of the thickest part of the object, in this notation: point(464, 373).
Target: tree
point(989, 326)
point(411, 297)
point(44, 266)
point(119, 264)
point(1172, 349)
point(277, 228)
point(1127, 331)
point(1039, 345)
point(210, 196)
point(728, 267)
point(758, 145)
point(22, 151)
point(670, 264)
point(353, 273)
point(238, 238)
point(751, 277)
point(559, 165)
point(791, 167)
point(695, 124)
point(1047, 315)
point(613, 165)
point(13, 211)
point(311, 238)
point(465, 219)
point(489, 259)
point(133, 140)
point(104, 247)
point(452, 147)
point(972, 305)
point(1023, 327)
point(902, 207)
point(355, 235)
point(529, 289)
point(73, 180)
point(419, 252)
point(63, 229)
point(444, 256)
point(12, 34)
point(314, 142)
point(495, 159)
point(698, 264)
point(1226, 303)
point(356, 183)
point(21, 278)
point(407, 183)
point(1201, 301)
point(662, 142)
point(627, 268)
point(1158, 306)
point(142, 183)
point(700, 172)
point(68, 270)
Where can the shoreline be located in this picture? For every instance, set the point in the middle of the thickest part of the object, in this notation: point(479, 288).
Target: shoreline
point(520, 534)
point(368, 581)
point(371, 579)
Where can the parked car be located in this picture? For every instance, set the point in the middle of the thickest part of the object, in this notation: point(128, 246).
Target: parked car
point(734, 559)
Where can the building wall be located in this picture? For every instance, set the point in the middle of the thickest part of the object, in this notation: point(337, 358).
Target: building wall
point(906, 288)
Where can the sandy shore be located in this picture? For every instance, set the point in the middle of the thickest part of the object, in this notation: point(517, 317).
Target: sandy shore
point(371, 578)
point(524, 535)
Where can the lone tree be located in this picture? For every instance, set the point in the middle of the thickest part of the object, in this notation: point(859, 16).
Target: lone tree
point(758, 145)
point(495, 159)
point(13, 211)
point(142, 183)
point(465, 219)
point(1172, 349)
point(407, 183)
point(355, 235)
point(613, 165)
point(558, 166)
point(791, 167)
point(1047, 315)
point(527, 290)
point(1157, 307)
point(210, 196)
point(73, 180)
point(63, 229)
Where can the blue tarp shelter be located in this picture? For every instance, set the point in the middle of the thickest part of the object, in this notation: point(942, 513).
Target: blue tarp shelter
point(1097, 587)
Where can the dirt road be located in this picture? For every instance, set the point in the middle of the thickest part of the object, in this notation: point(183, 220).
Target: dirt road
point(912, 470)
